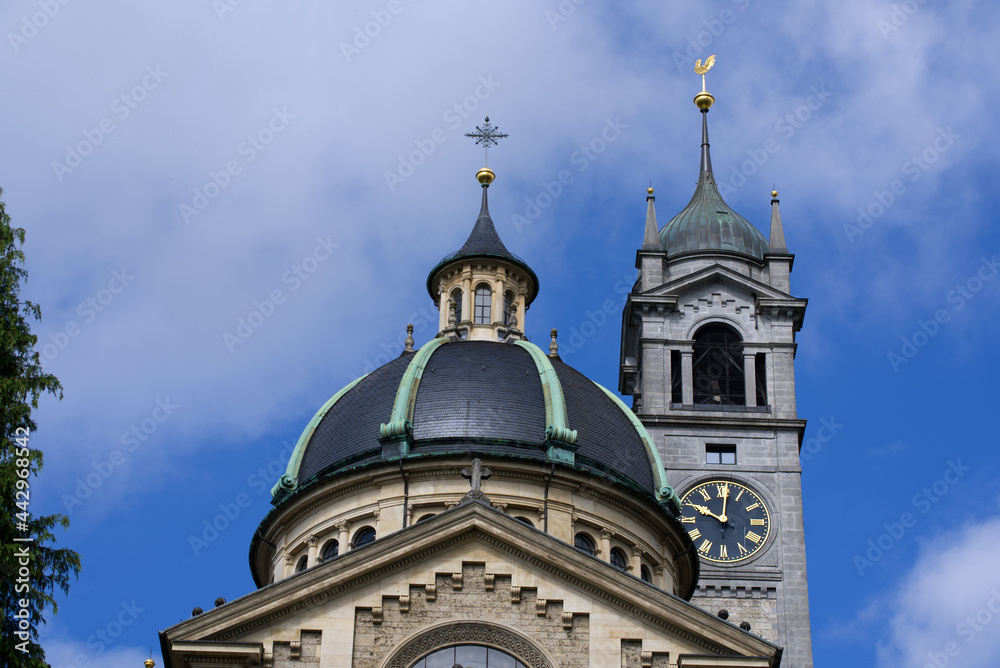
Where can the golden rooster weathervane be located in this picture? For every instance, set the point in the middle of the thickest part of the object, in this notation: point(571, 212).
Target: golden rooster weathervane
point(698, 69)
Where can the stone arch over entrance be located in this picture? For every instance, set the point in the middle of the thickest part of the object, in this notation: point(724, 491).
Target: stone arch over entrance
point(468, 632)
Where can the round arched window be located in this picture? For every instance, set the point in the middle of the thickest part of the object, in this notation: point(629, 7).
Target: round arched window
point(303, 563)
point(525, 520)
point(468, 655)
point(483, 295)
point(425, 517)
point(364, 536)
point(331, 549)
point(717, 366)
point(456, 296)
point(644, 574)
point(508, 307)
point(584, 542)
point(618, 559)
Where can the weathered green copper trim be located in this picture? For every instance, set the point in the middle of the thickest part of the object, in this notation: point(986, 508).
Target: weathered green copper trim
point(401, 421)
point(664, 492)
point(555, 401)
point(289, 481)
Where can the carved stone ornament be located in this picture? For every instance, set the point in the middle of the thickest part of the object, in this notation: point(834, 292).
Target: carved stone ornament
point(469, 632)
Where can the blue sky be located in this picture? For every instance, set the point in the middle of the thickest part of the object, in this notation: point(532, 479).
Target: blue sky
point(177, 165)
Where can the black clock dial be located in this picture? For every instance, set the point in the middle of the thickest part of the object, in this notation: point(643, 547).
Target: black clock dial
point(727, 521)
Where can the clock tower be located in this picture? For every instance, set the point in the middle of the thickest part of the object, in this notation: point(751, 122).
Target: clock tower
point(708, 350)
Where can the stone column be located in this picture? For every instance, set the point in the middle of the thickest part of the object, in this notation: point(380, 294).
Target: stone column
point(750, 378)
point(687, 377)
point(635, 568)
point(345, 536)
point(468, 300)
point(660, 579)
point(604, 550)
point(289, 566)
point(443, 298)
point(313, 544)
point(496, 306)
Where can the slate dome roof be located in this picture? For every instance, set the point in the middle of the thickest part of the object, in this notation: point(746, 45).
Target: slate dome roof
point(492, 398)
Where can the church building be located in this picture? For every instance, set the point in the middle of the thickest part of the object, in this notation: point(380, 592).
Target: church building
point(477, 502)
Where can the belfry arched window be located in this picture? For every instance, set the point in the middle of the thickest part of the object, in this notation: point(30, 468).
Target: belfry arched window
point(508, 306)
point(717, 366)
point(456, 296)
point(483, 294)
point(468, 655)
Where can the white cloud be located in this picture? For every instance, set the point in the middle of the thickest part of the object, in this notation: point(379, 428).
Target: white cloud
point(946, 610)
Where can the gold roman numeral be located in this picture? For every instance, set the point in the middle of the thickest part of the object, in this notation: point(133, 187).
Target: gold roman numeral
point(743, 550)
point(687, 520)
point(695, 534)
point(722, 552)
point(752, 506)
point(704, 494)
point(705, 547)
point(722, 491)
point(751, 536)
point(739, 495)
point(757, 522)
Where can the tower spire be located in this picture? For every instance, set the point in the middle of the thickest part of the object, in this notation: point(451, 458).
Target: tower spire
point(651, 241)
point(777, 241)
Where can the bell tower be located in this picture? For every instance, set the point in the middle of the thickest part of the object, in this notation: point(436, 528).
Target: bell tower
point(707, 354)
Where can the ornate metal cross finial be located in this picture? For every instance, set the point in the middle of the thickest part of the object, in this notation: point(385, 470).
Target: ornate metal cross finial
point(699, 69)
point(485, 135)
point(476, 473)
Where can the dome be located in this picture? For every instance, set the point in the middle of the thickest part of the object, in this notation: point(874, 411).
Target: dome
point(477, 397)
point(707, 223)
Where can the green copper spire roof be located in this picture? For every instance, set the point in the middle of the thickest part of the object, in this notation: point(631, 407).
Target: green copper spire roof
point(707, 223)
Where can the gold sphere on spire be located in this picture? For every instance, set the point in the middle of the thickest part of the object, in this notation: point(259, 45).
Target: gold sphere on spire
point(774, 194)
point(149, 663)
point(649, 190)
point(485, 176)
point(704, 100)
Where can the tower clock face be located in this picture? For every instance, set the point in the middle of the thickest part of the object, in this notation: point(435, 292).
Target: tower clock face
point(727, 521)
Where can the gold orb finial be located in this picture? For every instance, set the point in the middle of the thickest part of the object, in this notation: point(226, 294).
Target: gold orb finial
point(704, 100)
point(485, 176)
point(649, 190)
point(149, 663)
point(774, 194)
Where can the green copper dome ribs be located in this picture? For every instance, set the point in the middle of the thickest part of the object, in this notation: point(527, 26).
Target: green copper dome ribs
point(289, 481)
point(560, 440)
point(397, 433)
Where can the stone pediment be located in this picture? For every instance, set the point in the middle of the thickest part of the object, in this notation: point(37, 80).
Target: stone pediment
point(712, 276)
point(473, 575)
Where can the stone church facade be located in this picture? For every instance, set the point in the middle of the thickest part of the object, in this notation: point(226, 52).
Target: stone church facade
point(478, 502)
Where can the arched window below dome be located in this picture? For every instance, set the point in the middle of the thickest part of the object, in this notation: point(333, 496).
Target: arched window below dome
point(425, 517)
point(585, 543)
point(303, 564)
point(645, 574)
point(618, 559)
point(456, 296)
point(717, 367)
point(509, 306)
point(364, 536)
point(483, 302)
point(468, 655)
point(330, 550)
point(525, 520)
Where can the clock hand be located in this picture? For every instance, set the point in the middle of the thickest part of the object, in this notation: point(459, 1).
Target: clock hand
point(725, 498)
point(705, 511)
